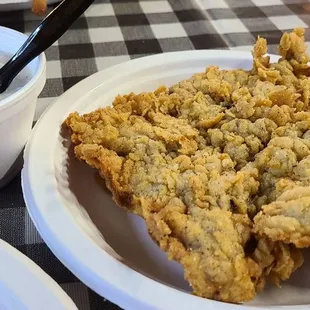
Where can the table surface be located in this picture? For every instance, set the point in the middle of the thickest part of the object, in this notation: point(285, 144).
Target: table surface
point(114, 31)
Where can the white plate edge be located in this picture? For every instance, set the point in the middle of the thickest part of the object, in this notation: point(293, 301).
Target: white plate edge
point(18, 258)
point(130, 65)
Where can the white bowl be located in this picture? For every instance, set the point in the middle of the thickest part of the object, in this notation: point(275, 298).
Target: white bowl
point(105, 247)
point(17, 110)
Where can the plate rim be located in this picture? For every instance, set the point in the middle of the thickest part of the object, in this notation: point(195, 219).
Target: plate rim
point(33, 273)
point(89, 84)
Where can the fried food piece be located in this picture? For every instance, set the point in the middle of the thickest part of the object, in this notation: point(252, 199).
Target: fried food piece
point(200, 160)
point(207, 243)
point(179, 196)
point(287, 219)
point(161, 163)
point(293, 48)
point(276, 260)
point(39, 7)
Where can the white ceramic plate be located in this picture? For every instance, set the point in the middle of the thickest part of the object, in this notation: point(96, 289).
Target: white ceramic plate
point(105, 247)
point(25, 286)
point(11, 5)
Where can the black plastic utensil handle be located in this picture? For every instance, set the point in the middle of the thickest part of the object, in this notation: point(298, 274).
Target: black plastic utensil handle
point(49, 31)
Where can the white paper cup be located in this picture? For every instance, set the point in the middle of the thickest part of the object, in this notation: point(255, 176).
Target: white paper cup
point(17, 110)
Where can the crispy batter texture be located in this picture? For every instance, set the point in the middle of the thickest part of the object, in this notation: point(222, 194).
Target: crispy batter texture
point(276, 260)
point(288, 218)
point(218, 166)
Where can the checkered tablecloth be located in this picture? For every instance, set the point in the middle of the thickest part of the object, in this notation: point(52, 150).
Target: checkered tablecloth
point(114, 31)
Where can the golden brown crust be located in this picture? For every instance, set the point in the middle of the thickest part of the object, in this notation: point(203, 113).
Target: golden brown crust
point(205, 256)
point(219, 167)
point(276, 260)
point(287, 219)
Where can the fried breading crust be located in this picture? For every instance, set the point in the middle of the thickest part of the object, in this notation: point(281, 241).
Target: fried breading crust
point(288, 218)
point(215, 165)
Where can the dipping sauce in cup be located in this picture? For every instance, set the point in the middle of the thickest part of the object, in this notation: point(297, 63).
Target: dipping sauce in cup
point(17, 104)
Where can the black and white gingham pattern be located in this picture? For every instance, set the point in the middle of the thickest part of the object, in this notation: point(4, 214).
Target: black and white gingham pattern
point(114, 31)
